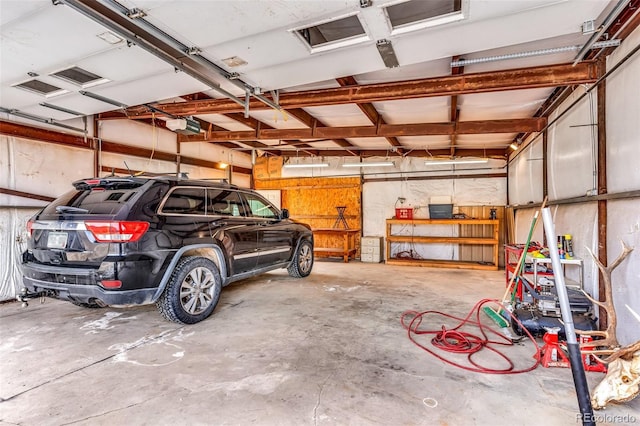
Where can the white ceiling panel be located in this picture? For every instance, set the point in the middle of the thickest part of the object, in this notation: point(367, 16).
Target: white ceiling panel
point(501, 105)
point(424, 110)
point(277, 119)
point(435, 68)
point(371, 143)
point(163, 85)
point(109, 64)
point(485, 141)
point(340, 115)
point(43, 41)
point(11, 10)
point(224, 122)
point(205, 23)
point(425, 142)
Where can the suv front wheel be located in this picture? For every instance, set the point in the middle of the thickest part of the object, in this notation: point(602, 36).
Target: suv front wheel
point(192, 292)
point(302, 261)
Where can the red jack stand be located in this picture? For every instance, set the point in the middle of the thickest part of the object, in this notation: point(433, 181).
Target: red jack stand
point(552, 353)
point(590, 362)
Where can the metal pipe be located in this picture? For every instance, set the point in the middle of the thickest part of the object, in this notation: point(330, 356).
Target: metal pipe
point(605, 25)
point(549, 51)
point(575, 358)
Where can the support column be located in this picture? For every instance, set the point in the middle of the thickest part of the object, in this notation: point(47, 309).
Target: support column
point(95, 146)
point(602, 185)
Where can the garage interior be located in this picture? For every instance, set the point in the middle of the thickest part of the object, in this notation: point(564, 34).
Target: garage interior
point(366, 119)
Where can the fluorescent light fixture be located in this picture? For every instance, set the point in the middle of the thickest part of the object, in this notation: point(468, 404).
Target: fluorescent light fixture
point(372, 164)
point(305, 165)
point(456, 161)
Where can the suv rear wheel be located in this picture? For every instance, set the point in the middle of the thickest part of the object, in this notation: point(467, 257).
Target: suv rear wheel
point(192, 292)
point(302, 261)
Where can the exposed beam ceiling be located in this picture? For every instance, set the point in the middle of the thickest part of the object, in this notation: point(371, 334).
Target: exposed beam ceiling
point(492, 81)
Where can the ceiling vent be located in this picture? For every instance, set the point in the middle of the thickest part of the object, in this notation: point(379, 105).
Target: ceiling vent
point(418, 14)
point(332, 34)
point(80, 77)
point(41, 88)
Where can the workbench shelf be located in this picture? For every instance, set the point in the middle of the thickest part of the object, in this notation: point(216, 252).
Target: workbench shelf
point(347, 238)
point(492, 241)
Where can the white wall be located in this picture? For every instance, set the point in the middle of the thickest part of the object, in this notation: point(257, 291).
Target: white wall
point(379, 199)
point(525, 175)
point(571, 174)
point(623, 174)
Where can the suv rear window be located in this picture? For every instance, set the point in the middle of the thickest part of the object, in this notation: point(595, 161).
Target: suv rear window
point(98, 200)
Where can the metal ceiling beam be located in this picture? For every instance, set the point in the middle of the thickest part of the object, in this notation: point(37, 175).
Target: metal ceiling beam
point(385, 130)
point(493, 81)
point(371, 112)
point(443, 152)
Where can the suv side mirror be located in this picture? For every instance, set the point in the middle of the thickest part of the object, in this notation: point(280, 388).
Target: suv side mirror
point(284, 214)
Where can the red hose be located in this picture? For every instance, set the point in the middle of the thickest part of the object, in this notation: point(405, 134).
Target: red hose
point(461, 342)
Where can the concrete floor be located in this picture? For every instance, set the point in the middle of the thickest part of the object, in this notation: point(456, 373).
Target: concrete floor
point(328, 349)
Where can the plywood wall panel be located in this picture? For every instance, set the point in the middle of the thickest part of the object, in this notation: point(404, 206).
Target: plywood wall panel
point(481, 253)
point(315, 200)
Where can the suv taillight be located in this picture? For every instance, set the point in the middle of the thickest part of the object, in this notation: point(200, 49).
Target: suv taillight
point(30, 227)
point(117, 231)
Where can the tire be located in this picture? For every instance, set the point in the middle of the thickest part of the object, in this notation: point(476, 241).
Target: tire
point(302, 261)
point(192, 292)
point(88, 305)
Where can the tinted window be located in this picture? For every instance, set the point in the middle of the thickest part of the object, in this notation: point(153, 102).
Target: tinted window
point(260, 208)
point(102, 201)
point(186, 201)
point(224, 202)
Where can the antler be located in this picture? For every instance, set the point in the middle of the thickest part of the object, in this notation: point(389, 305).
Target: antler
point(610, 338)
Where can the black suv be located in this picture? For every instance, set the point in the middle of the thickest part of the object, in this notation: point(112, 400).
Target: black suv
point(163, 240)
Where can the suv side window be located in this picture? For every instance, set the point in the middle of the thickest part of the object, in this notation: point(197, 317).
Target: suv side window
point(186, 201)
point(259, 207)
point(224, 202)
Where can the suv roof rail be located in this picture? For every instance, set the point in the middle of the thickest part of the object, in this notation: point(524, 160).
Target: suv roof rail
point(221, 180)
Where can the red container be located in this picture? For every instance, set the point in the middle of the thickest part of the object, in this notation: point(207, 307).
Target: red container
point(404, 213)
